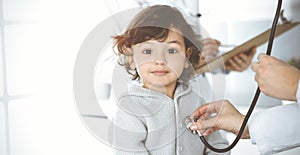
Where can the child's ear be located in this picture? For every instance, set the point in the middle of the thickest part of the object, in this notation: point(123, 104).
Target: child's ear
point(131, 62)
point(129, 57)
point(188, 55)
point(188, 52)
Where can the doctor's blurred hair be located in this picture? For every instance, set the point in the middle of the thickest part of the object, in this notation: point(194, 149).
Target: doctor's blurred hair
point(154, 23)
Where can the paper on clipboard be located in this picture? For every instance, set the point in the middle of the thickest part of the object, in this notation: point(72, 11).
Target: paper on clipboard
point(255, 41)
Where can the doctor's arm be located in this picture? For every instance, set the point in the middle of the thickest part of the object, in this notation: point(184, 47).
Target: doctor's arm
point(273, 130)
point(274, 77)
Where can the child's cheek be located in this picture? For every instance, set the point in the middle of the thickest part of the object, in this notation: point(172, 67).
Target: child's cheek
point(177, 64)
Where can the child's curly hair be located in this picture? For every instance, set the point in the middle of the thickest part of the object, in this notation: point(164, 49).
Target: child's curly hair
point(153, 23)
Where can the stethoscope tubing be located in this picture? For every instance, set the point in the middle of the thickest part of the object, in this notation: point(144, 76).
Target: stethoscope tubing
point(257, 93)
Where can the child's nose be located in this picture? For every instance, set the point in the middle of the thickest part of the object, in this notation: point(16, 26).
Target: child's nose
point(159, 62)
point(160, 59)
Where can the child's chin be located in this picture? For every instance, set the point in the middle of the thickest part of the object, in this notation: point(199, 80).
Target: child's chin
point(158, 84)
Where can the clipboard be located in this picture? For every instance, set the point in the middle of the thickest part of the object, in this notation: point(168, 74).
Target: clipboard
point(255, 41)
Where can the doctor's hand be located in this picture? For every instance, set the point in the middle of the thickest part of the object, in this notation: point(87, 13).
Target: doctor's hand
point(209, 51)
point(241, 61)
point(218, 115)
point(238, 63)
point(210, 47)
point(276, 78)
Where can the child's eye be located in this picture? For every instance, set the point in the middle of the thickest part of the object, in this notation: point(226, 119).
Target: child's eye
point(172, 51)
point(147, 51)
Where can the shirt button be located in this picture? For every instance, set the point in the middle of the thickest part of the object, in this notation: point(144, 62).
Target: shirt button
point(180, 148)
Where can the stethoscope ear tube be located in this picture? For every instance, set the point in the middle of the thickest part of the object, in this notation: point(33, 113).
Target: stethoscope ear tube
point(254, 101)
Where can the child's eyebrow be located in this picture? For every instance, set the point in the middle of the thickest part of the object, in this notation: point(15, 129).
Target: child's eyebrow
point(174, 42)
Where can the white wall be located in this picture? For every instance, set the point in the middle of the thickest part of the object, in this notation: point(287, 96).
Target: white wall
point(42, 39)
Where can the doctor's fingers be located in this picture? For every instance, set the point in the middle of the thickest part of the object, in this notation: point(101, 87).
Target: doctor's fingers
point(252, 53)
point(210, 50)
point(209, 131)
point(210, 41)
point(210, 47)
point(237, 63)
point(255, 66)
point(262, 60)
point(247, 59)
point(200, 112)
point(205, 125)
point(265, 59)
point(258, 80)
point(208, 108)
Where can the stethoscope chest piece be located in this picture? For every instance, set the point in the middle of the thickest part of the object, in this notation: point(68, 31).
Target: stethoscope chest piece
point(188, 122)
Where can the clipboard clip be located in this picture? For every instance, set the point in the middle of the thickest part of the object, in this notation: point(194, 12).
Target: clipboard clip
point(283, 19)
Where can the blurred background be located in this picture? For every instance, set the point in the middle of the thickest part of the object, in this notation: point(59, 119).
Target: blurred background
point(40, 40)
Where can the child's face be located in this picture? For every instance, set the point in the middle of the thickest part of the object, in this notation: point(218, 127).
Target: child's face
point(160, 64)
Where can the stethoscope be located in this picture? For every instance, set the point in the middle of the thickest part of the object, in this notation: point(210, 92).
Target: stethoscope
point(269, 49)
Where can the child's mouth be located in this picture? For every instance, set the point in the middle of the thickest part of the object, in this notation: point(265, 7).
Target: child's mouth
point(160, 72)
